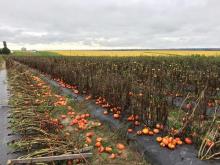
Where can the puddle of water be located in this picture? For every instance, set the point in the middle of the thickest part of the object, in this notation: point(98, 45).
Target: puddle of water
point(4, 138)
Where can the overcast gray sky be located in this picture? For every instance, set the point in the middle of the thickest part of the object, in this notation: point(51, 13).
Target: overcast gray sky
point(87, 24)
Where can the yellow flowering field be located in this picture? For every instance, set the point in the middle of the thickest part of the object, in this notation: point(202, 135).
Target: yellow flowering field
point(134, 52)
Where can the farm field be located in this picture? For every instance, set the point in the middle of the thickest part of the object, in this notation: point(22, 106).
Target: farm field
point(167, 102)
point(135, 53)
point(49, 123)
point(174, 97)
point(110, 82)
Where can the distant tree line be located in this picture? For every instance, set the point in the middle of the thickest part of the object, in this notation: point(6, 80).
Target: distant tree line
point(5, 49)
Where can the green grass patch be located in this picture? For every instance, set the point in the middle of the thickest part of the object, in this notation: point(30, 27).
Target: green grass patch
point(35, 53)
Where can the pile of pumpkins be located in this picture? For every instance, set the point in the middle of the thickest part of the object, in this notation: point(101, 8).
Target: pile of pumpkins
point(171, 142)
point(166, 141)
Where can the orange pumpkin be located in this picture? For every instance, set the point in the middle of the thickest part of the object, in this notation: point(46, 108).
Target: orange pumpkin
point(158, 126)
point(130, 118)
point(165, 141)
point(63, 116)
point(77, 117)
point(145, 131)
point(82, 116)
point(99, 139)
point(139, 132)
point(98, 144)
point(88, 140)
point(177, 139)
point(120, 146)
point(188, 140)
point(89, 134)
point(162, 144)
point(156, 131)
point(179, 142)
point(174, 142)
point(151, 133)
point(170, 139)
point(87, 115)
point(69, 113)
point(130, 130)
point(112, 156)
point(108, 149)
point(171, 146)
point(101, 149)
point(74, 121)
point(209, 143)
point(55, 121)
point(159, 139)
point(116, 116)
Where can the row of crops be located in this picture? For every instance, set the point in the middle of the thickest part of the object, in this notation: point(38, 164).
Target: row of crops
point(180, 93)
point(47, 126)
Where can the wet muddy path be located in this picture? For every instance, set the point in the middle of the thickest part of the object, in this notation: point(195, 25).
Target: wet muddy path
point(4, 97)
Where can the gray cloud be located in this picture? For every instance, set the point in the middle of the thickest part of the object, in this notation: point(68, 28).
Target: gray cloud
point(110, 23)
